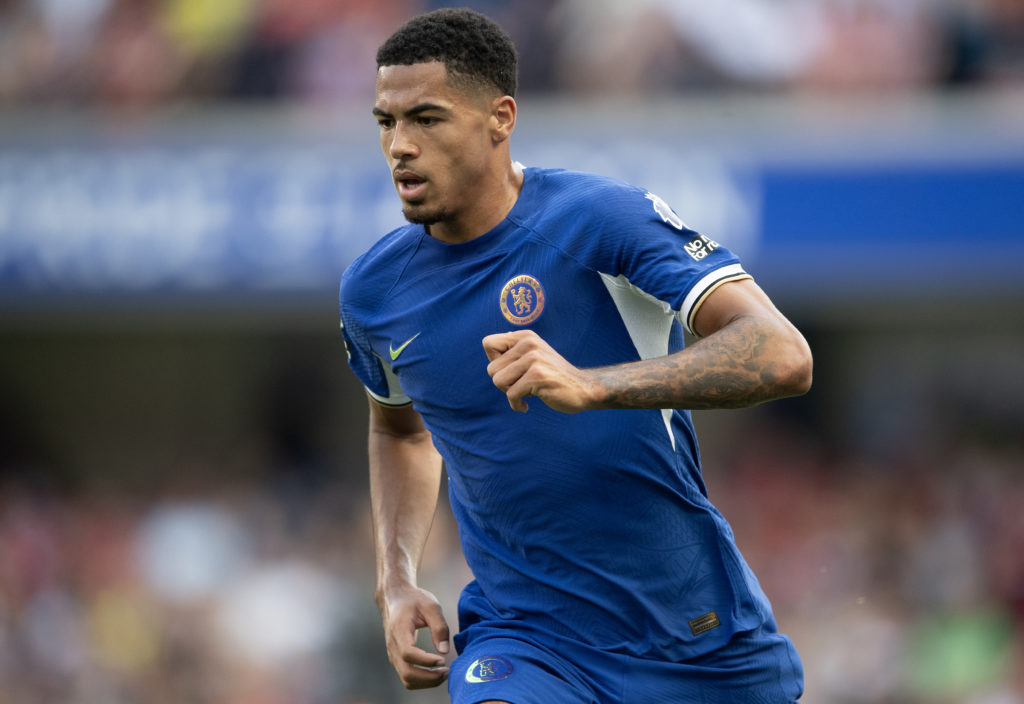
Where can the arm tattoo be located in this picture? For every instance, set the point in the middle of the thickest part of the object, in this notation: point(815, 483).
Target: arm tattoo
point(734, 368)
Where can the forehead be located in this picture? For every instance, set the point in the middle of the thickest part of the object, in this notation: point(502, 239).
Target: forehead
point(401, 87)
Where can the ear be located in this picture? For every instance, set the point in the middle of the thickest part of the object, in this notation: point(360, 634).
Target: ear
point(503, 118)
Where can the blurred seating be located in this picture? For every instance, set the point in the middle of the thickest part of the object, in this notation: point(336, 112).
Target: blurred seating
point(156, 52)
point(899, 583)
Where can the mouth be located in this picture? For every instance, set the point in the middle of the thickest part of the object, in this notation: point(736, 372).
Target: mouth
point(410, 186)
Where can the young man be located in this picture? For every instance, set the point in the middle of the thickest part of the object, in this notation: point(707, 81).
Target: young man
point(526, 329)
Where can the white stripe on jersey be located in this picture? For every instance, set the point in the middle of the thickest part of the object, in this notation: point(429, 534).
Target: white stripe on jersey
point(708, 283)
point(648, 321)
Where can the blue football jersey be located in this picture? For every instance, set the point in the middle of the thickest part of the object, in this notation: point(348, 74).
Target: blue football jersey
point(594, 526)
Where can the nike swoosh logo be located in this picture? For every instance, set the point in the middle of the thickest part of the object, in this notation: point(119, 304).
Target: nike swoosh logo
point(394, 353)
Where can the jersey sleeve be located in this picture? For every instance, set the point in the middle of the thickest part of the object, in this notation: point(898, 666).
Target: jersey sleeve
point(380, 382)
point(646, 243)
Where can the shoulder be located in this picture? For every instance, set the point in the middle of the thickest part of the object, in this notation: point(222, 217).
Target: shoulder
point(373, 273)
point(593, 213)
point(597, 203)
point(566, 205)
point(582, 188)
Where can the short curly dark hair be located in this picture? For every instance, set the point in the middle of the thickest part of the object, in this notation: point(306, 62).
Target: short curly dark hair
point(472, 46)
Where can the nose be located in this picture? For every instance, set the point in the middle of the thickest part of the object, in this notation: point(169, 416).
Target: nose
point(402, 146)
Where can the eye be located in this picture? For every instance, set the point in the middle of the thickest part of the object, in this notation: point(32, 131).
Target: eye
point(385, 123)
point(426, 121)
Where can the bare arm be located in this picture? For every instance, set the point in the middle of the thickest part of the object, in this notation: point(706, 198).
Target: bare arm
point(405, 475)
point(749, 353)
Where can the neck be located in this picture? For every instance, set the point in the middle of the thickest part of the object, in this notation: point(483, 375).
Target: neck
point(489, 211)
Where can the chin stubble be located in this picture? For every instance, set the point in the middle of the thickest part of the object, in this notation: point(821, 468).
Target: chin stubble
point(425, 218)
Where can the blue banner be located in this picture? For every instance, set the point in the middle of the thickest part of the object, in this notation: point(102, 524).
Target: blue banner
point(270, 211)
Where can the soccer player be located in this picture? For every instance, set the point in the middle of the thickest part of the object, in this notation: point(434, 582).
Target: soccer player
point(526, 328)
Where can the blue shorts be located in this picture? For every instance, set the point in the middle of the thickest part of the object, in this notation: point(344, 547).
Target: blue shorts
point(523, 668)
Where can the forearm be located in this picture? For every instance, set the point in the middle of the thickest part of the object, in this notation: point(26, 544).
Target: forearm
point(747, 362)
point(405, 475)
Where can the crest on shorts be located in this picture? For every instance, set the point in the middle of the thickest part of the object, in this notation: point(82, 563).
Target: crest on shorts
point(522, 300)
point(488, 669)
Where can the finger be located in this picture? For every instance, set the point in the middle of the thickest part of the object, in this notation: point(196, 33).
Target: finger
point(418, 669)
point(416, 677)
point(513, 363)
point(418, 657)
point(507, 370)
point(438, 626)
point(498, 344)
point(406, 654)
point(510, 377)
point(516, 393)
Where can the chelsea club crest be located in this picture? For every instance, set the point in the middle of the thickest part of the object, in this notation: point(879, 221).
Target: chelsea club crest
point(488, 669)
point(522, 300)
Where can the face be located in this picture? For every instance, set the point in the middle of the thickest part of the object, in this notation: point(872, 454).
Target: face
point(438, 142)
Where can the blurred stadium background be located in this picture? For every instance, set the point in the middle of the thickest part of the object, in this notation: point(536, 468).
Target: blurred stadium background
point(183, 512)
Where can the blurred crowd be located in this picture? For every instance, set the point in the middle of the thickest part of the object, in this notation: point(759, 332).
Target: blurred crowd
point(145, 52)
point(900, 581)
point(199, 591)
point(900, 584)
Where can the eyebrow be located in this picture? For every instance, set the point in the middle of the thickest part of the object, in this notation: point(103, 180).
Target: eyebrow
point(414, 110)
